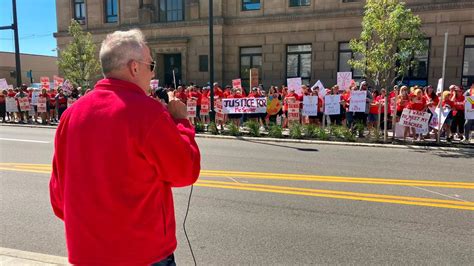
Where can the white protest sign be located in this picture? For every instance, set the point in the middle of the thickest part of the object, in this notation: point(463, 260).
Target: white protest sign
point(218, 110)
point(41, 105)
point(11, 105)
point(344, 80)
point(3, 84)
point(237, 83)
point(435, 118)
point(244, 105)
point(205, 106)
point(67, 87)
point(310, 105)
point(439, 89)
point(34, 97)
point(358, 101)
point(322, 89)
point(24, 104)
point(332, 105)
point(191, 107)
point(294, 84)
point(154, 83)
point(469, 107)
point(416, 119)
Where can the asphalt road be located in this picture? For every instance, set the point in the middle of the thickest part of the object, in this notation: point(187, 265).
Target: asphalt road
point(332, 205)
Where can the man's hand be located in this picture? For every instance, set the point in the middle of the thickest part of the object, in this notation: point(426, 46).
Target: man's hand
point(177, 109)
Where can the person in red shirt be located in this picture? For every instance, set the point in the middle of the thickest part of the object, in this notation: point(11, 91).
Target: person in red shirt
point(227, 92)
point(45, 115)
point(235, 118)
point(196, 95)
point(402, 101)
point(181, 94)
point(117, 154)
point(3, 105)
point(218, 91)
point(375, 110)
point(469, 124)
point(417, 103)
point(458, 99)
point(61, 103)
point(290, 97)
point(52, 105)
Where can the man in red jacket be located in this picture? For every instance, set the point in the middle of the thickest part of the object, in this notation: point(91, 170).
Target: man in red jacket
point(115, 163)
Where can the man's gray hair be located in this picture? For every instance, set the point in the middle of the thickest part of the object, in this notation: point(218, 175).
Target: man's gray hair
point(119, 48)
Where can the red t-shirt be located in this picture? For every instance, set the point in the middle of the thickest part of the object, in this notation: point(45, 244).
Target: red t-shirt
point(197, 95)
point(52, 99)
point(62, 101)
point(417, 104)
point(434, 100)
point(374, 107)
point(459, 103)
point(402, 102)
point(182, 96)
point(11, 94)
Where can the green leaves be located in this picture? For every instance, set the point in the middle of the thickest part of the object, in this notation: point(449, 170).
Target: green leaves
point(78, 60)
point(391, 36)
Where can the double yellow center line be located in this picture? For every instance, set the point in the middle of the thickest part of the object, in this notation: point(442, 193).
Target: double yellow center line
point(348, 195)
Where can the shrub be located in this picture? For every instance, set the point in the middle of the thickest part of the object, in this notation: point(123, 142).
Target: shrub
point(275, 131)
point(199, 127)
point(296, 131)
point(213, 128)
point(233, 129)
point(309, 131)
point(254, 128)
point(321, 133)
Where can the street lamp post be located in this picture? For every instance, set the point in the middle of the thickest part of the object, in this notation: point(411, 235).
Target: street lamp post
point(211, 59)
point(14, 27)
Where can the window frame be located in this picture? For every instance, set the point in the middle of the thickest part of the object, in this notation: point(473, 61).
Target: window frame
point(242, 5)
point(158, 13)
point(349, 50)
point(82, 4)
point(107, 16)
point(299, 66)
point(298, 5)
point(409, 77)
point(244, 80)
point(466, 46)
point(201, 68)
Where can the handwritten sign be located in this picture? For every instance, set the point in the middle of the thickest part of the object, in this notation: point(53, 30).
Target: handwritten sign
point(469, 107)
point(344, 80)
point(3, 84)
point(322, 89)
point(204, 106)
point(24, 104)
point(218, 110)
point(332, 104)
point(237, 83)
point(418, 120)
point(294, 84)
point(41, 105)
point(358, 101)
point(191, 107)
point(310, 105)
point(11, 105)
point(435, 118)
point(58, 81)
point(244, 105)
point(294, 111)
point(44, 82)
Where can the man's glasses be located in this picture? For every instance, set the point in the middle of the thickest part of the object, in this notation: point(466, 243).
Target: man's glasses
point(152, 65)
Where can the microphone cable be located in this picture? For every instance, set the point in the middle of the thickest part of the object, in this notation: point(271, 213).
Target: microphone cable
point(184, 225)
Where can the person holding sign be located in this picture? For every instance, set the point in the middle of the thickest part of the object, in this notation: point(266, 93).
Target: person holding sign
point(3, 105)
point(469, 124)
point(402, 101)
point(23, 104)
point(457, 127)
point(117, 155)
point(417, 103)
point(43, 107)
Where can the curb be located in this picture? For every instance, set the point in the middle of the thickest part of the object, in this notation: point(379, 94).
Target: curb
point(21, 257)
point(303, 141)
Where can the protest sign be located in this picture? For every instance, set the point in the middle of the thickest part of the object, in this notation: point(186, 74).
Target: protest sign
point(344, 80)
point(34, 97)
point(218, 110)
point(253, 77)
point(273, 106)
point(24, 104)
point(41, 105)
point(244, 105)
point(435, 118)
point(237, 83)
point(70, 101)
point(416, 119)
point(310, 105)
point(204, 106)
point(67, 87)
point(44, 82)
point(191, 107)
point(439, 88)
point(294, 84)
point(3, 84)
point(332, 105)
point(358, 101)
point(11, 104)
point(58, 81)
point(294, 111)
point(469, 107)
point(322, 90)
point(154, 84)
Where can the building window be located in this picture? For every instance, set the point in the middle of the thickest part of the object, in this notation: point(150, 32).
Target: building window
point(111, 11)
point(346, 54)
point(468, 62)
point(80, 11)
point(170, 10)
point(203, 63)
point(300, 3)
point(250, 57)
point(298, 62)
point(418, 74)
point(250, 5)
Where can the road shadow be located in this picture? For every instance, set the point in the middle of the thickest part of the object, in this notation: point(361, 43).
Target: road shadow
point(456, 154)
point(280, 145)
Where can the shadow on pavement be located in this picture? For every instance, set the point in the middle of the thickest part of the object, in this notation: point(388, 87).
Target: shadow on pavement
point(461, 153)
point(280, 145)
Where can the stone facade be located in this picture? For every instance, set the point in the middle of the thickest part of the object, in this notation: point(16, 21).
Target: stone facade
point(323, 24)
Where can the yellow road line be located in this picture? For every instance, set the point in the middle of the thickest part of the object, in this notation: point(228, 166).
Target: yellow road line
point(231, 185)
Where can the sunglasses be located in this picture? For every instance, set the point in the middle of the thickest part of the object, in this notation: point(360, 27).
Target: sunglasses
point(152, 65)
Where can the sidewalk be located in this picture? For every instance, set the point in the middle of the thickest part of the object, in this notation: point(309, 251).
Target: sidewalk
point(421, 145)
point(19, 257)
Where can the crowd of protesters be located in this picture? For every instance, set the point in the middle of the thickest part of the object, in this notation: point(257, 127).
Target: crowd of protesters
point(424, 99)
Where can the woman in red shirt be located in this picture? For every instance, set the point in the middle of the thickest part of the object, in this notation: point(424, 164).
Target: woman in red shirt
point(235, 118)
point(402, 101)
point(61, 102)
point(374, 111)
point(458, 100)
point(44, 96)
point(417, 103)
point(52, 105)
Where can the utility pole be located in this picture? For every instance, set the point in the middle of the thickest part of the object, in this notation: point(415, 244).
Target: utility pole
point(211, 59)
point(14, 27)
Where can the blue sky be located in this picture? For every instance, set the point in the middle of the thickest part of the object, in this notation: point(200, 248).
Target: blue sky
point(36, 25)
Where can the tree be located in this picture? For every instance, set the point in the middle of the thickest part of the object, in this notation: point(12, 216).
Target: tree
point(78, 60)
point(391, 36)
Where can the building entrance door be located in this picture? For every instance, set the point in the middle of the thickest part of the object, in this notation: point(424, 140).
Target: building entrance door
point(172, 63)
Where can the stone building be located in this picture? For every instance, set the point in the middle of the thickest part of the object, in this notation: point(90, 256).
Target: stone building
point(282, 38)
point(39, 65)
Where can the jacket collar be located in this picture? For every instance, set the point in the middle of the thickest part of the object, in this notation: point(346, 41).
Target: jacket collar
point(118, 85)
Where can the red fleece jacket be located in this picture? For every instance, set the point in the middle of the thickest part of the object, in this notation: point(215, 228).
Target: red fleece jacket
point(117, 155)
